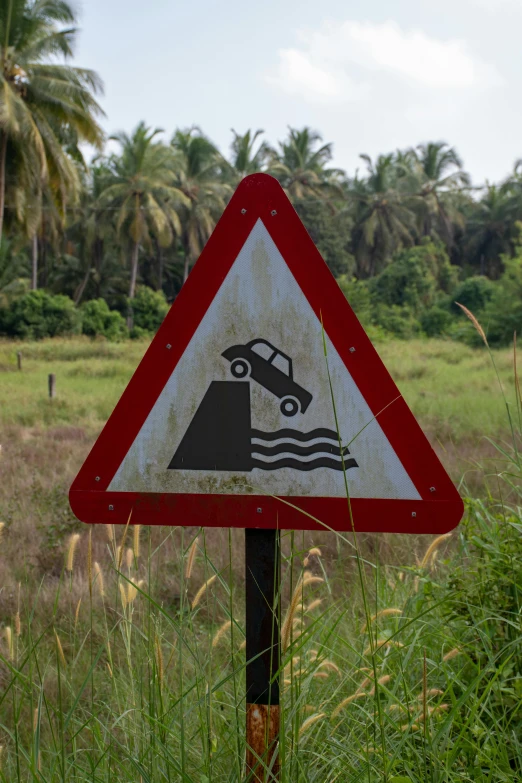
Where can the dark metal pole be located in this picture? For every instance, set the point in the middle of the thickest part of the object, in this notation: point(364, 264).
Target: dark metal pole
point(52, 385)
point(263, 576)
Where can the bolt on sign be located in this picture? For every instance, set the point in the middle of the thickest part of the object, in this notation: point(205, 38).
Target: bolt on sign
point(260, 398)
point(262, 404)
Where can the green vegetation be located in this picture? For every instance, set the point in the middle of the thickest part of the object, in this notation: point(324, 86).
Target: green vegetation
point(121, 650)
point(404, 236)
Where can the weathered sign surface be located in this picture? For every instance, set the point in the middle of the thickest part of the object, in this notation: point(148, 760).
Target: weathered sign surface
point(261, 398)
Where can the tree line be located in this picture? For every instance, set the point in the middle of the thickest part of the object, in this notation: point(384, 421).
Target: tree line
point(142, 209)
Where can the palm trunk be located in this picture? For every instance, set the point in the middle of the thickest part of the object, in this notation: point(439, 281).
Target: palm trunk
point(132, 286)
point(3, 156)
point(34, 263)
point(81, 288)
point(160, 269)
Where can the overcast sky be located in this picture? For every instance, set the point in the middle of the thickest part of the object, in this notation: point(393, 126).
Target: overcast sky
point(370, 76)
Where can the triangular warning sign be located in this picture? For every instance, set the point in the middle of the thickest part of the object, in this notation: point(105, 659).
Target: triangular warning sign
point(262, 403)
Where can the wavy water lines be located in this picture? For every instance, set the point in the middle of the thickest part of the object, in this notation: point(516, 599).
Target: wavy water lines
point(287, 448)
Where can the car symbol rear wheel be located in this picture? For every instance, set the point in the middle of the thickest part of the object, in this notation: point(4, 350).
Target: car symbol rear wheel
point(240, 368)
point(289, 406)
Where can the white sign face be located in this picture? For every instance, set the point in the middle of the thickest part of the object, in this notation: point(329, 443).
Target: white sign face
point(248, 408)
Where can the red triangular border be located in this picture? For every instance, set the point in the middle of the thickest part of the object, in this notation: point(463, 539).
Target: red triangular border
point(261, 196)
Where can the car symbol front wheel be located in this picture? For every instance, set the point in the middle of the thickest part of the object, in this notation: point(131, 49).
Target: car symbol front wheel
point(240, 368)
point(289, 406)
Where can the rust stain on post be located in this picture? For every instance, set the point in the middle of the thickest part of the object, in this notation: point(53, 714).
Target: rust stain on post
point(262, 735)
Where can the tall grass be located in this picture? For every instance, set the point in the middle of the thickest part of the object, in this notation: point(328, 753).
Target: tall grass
point(113, 685)
point(400, 673)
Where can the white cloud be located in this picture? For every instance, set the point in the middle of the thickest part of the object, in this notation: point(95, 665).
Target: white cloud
point(338, 62)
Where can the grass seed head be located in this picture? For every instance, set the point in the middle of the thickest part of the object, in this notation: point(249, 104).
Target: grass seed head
point(475, 323)
point(129, 558)
point(191, 557)
point(2, 525)
point(331, 666)
point(313, 552)
point(9, 642)
point(432, 692)
point(439, 708)
point(435, 544)
point(136, 541)
point(202, 590)
point(310, 722)
point(383, 613)
point(221, 632)
point(348, 700)
point(60, 649)
point(132, 592)
point(312, 580)
point(121, 547)
point(123, 595)
point(313, 605)
point(110, 533)
point(18, 624)
point(98, 578)
point(451, 654)
point(71, 549)
point(77, 613)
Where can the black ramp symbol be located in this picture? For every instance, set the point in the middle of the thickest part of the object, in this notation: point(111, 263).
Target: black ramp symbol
point(220, 435)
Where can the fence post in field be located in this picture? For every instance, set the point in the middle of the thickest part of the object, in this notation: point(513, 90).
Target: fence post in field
point(19, 359)
point(262, 576)
point(52, 385)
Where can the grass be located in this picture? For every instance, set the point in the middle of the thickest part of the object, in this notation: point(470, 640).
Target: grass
point(115, 665)
point(449, 386)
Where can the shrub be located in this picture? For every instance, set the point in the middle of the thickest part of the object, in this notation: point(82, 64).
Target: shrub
point(149, 308)
point(502, 316)
point(38, 314)
point(474, 293)
point(435, 321)
point(98, 319)
point(414, 279)
point(400, 321)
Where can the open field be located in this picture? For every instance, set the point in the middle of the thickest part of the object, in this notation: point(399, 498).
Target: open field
point(451, 388)
point(116, 666)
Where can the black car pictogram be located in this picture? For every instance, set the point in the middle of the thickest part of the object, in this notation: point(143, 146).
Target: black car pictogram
point(272, 369)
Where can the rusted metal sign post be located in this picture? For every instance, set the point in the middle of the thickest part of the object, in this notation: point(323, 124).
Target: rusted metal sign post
point(262, 578)
point(228, 422)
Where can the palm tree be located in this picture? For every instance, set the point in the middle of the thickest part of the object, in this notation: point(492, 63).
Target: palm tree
point(440, 177)
point(140, 188)
point(46, 108)
point(200, 177)
point(300, 166)
point(492, 228)
point(246, 159)
point(383, 215)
